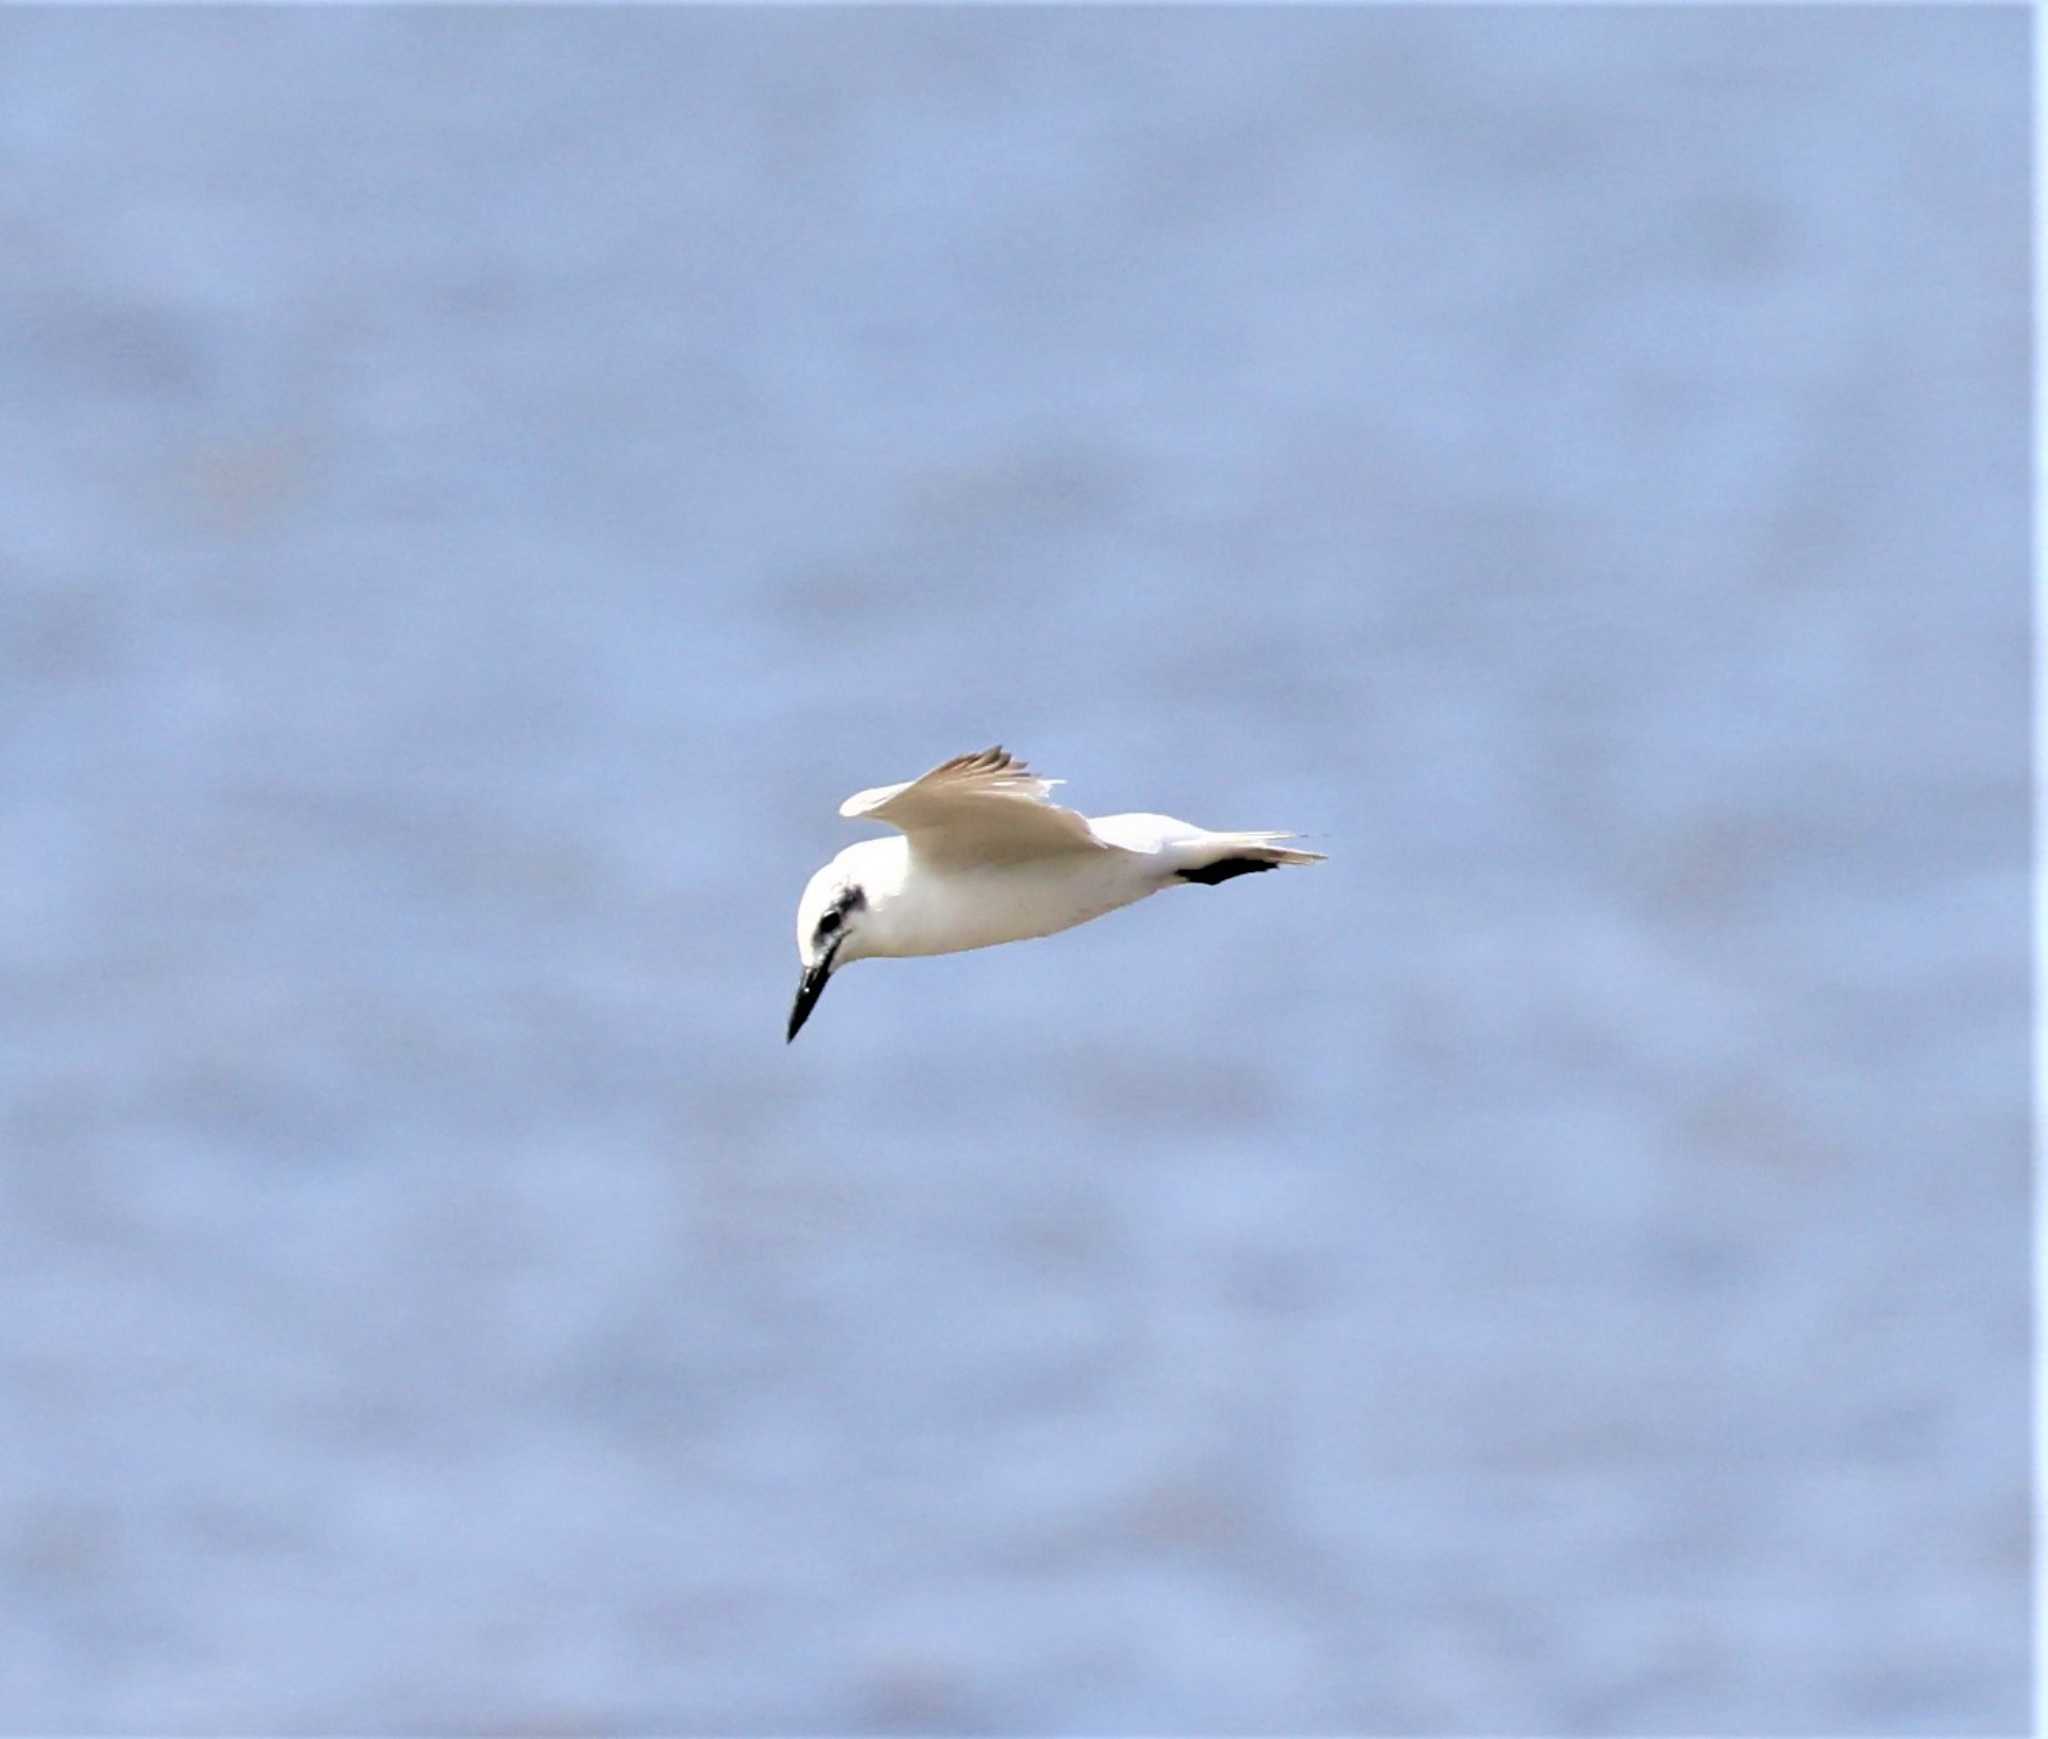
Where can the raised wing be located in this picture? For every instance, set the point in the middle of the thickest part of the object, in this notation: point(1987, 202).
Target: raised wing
point(988, 807)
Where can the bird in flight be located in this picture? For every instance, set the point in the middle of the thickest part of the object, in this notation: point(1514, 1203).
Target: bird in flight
point(983, 856)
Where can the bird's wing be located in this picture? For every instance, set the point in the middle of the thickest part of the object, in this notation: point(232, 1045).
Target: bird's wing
point(988, 808)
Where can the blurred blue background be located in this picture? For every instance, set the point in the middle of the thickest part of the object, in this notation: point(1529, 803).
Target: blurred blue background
point(477, 488)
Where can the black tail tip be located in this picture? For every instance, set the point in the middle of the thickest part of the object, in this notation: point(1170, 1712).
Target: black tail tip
point(1224, 868)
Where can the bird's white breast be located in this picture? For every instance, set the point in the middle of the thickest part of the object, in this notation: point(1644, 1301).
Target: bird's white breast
point(944, 910)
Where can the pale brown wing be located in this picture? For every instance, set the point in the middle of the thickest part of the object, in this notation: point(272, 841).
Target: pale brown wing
point(988, 806)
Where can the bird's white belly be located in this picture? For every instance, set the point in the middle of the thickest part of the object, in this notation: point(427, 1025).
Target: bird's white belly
point(978, 908)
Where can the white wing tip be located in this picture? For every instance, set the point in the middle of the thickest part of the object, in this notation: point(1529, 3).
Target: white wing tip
point(862, 801)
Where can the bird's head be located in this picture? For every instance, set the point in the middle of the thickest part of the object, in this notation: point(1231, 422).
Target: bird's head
point(828, 924)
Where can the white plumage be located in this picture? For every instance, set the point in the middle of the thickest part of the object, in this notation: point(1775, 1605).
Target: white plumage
point(985, 856)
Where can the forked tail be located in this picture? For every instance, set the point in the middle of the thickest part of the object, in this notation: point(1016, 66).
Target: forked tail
point(1216, 857)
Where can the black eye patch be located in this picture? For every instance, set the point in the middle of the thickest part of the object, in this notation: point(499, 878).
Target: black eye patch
point(828, 923)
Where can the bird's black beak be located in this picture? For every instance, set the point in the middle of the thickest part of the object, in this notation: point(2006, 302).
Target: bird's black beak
point(809, 988)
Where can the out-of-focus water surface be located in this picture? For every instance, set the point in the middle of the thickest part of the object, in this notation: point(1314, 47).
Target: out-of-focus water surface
point(477, 488)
